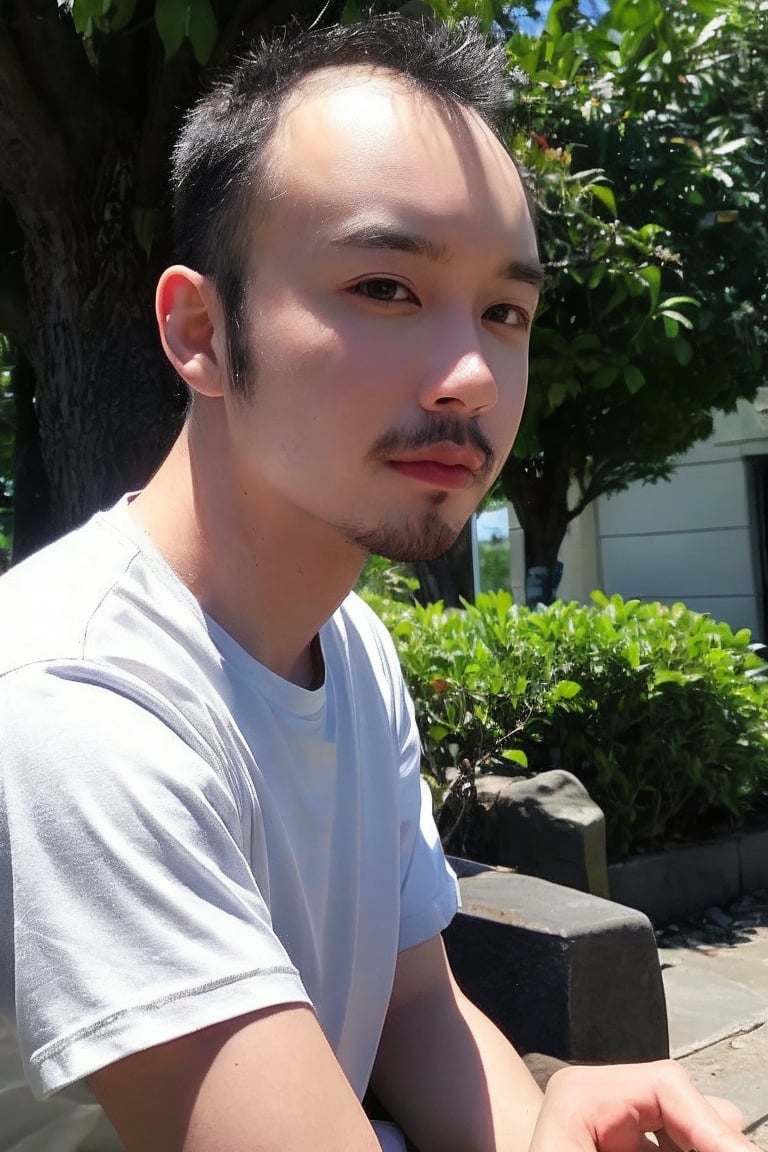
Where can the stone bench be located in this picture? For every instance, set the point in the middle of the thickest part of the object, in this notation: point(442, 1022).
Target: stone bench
point(560, 972)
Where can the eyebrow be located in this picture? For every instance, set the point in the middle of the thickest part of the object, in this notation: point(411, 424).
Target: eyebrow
point(380, 236)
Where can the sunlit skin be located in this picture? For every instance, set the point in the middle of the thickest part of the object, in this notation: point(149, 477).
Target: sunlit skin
point(393, 281)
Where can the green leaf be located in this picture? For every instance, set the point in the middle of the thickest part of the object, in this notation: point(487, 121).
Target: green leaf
point(83, 13)
point(672, 314)
point(516, 755)
point(710, 29)
point(556, 393)
point(731, 146)
point(633, 378)
point(605, 377)
point(202, 29)
point(171, 24)
point(566, 690)
point(683, 351)
point(437, 733)
point(605, 196)
point(668, 676)
point(651, 273)
point(352, 12)
point(596, 275)
point(586, 342)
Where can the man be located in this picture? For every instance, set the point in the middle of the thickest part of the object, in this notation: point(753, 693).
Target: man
point(223, 877)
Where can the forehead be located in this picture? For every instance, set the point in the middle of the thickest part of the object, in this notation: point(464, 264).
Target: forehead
point(358, 140)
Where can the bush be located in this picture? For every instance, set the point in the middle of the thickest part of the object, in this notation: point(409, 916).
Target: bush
point(660, 711)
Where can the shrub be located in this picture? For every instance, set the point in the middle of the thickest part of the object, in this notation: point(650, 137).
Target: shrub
point(660, 711)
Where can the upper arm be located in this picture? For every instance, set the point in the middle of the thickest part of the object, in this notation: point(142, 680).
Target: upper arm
point(264, 1082)
point(422, 972)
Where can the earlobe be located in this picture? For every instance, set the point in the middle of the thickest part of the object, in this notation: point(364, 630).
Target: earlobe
point(191, 328)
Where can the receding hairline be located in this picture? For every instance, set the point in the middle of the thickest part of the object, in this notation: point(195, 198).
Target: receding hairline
point(458, 114)
point(334, 75)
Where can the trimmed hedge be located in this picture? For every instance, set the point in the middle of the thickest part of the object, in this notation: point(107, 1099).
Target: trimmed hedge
point(660, 711)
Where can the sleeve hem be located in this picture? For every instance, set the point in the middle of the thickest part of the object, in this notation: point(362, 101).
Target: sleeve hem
point(75, 1057)
point(429, 922)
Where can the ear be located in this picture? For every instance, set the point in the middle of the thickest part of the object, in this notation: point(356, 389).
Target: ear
point(192, 328)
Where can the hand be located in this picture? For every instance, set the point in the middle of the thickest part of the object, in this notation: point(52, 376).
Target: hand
point(613, 1109)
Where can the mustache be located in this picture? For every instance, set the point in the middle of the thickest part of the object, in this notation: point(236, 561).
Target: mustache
point(441, 429)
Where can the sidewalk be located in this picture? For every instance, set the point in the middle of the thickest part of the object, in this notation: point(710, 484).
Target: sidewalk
point(715, 972)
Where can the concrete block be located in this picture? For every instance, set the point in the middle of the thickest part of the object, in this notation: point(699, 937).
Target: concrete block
point(753, 856)
point(546, 826)
point(669, 884)
point(560, 972)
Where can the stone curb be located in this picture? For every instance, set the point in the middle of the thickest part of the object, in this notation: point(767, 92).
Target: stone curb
point(665, 885)
point(561, 972)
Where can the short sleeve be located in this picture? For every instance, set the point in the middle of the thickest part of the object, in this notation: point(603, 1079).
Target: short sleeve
point(136, 915)
point(429, 891)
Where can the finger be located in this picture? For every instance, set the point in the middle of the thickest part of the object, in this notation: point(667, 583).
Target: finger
point(608, 1110)
point(729, 1112)
point(688, 1119)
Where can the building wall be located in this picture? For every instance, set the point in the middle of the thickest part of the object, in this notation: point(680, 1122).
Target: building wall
point(694, 537)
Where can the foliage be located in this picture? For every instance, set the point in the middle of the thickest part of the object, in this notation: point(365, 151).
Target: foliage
point(645, 139)
point(494, 564)
point(660, 711)
point(385, 581)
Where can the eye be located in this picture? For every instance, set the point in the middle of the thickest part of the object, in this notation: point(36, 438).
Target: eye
point(508, 315)
point(383, 289)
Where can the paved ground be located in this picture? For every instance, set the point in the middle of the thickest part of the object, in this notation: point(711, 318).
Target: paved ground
point(738, 1070)
point(715, 970)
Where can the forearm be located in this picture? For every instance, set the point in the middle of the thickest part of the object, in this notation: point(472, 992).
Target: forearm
point(452, 1080)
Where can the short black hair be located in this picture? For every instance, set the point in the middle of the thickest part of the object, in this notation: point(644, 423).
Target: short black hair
point(218, 169)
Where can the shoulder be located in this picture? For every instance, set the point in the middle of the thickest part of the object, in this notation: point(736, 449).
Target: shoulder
point(47, 600)
point(84, 596)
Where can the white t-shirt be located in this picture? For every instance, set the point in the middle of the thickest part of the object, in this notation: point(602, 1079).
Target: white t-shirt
point(184, 835)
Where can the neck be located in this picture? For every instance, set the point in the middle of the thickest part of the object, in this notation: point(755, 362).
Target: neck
point(270, 576)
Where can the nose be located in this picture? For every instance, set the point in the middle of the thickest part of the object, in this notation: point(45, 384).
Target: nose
point(460, 379)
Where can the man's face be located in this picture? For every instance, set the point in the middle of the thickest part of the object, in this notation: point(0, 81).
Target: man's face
point(392, 283)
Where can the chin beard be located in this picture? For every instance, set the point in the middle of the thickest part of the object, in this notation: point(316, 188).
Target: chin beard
point(420, 538)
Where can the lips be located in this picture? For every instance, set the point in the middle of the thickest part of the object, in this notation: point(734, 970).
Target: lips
point(445, 467)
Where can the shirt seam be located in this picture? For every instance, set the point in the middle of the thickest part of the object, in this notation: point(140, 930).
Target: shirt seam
point(55, 1047)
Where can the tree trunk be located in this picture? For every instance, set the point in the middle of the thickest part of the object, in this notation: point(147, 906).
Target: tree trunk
point(538, 491)
point(97, 400)
point(104, 397)
point(450, 577)
point(31, 491)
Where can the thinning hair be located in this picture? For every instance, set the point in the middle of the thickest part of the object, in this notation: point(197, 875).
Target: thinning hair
point(219, 165)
